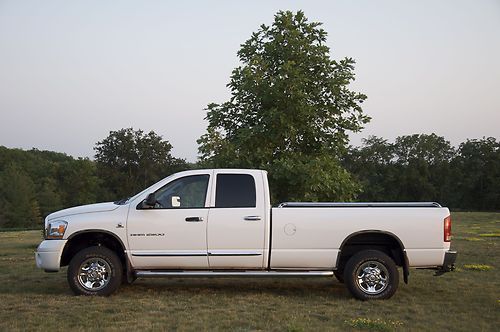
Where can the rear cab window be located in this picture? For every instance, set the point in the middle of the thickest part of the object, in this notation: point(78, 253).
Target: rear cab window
point(235, 191)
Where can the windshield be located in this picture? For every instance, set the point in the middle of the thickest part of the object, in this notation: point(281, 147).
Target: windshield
point(126, 200)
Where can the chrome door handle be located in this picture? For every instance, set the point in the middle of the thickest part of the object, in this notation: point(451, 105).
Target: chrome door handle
point(252, 218)
point(120, 225)
point(194, 219)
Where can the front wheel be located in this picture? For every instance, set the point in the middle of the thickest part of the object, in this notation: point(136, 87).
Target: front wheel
point(95, 271)
point(371, 274)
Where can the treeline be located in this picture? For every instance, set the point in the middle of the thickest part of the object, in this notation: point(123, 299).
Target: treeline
point(427, 168)
point(35, 183)
point(413, 168)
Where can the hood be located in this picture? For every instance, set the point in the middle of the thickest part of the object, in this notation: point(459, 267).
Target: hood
point(91, 208)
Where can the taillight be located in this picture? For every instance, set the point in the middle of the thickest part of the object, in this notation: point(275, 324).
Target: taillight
point(447, 229)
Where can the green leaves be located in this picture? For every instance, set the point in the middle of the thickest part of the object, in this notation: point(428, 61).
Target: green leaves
point(128, 161)
point(321, 178)
point(18, 204)
point(289, 103)
point(35, 183)
point(424, 167)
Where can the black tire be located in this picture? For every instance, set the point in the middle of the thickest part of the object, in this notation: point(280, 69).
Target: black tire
point(95, 271)
point(339, 275)
point(371, 275)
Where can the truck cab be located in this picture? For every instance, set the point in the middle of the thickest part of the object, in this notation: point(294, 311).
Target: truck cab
point(206, 219)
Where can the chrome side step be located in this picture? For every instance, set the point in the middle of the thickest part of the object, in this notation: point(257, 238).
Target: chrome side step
point(209, 274)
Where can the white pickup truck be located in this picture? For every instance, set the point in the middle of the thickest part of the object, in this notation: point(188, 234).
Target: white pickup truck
point(219, 223)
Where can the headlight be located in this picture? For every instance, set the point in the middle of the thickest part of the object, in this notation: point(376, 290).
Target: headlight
point(55, 229)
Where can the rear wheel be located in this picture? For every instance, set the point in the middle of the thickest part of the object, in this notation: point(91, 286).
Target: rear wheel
point(371, 274)
point(95, 271)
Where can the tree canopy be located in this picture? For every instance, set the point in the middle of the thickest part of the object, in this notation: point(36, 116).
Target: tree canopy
point(129, 160)
point(35, 183)
point(412, 168)
point(290, 109)
point(424, 167)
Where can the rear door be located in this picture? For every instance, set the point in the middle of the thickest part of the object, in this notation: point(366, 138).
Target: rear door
point(237, 219)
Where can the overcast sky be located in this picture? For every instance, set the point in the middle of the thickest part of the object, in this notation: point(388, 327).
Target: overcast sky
point(71, 71)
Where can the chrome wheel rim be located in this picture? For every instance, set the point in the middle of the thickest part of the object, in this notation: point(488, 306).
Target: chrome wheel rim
point(372, 277)
point(94, 274)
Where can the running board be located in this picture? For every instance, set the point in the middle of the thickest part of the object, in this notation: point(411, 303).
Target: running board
point(209, 274)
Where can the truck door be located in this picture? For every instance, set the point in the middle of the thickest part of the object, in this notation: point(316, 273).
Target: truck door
point(237, 221)
point(172, 234)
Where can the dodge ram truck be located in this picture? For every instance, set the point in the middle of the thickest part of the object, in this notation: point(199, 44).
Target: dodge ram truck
point(220, 223)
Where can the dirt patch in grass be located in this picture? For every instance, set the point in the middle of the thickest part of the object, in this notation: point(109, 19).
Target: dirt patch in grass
point(490, 235)
point(376, 324)
point(473, 239)
point(478, 267)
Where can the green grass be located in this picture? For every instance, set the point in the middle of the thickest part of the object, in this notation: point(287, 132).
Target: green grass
point(465, 300)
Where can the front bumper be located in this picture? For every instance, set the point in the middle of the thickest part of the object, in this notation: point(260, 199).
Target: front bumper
point(48, 255)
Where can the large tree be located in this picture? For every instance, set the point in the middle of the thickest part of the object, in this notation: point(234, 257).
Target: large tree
point(128, 160)
point(290, 112)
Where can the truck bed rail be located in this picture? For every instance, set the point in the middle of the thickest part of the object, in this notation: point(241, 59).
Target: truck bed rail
point(360, 205)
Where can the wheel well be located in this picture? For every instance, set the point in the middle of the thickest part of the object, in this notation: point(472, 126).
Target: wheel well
point(88, 239)
point(387, 243)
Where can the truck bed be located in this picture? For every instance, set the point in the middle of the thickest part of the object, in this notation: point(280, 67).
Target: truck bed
point(311, 234)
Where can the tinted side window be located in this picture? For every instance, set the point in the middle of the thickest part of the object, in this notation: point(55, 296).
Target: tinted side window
point(187, 192)
point(235, 190)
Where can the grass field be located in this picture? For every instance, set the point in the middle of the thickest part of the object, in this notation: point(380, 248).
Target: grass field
point(466, 300)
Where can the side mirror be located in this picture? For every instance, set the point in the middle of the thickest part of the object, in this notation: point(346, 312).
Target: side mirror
point(150, 201)
point(176, 201)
